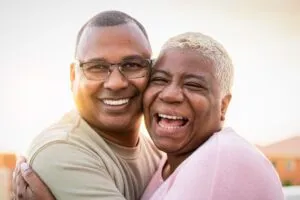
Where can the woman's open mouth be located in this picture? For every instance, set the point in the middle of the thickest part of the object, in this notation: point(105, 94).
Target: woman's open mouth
point(168, 121)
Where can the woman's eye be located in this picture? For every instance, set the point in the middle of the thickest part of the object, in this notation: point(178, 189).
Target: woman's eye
point(158, 80)
point(194, 86)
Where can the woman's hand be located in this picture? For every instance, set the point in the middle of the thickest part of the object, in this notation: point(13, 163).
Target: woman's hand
point(27, 185)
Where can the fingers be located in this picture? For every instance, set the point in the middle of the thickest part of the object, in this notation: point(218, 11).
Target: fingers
point(17, 178)
point(26, 184)
point(32, 179)
point(17, 169)
point(21, 186)
point(36, 187)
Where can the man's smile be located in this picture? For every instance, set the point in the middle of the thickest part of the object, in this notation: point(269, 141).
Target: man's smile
point(116, 102)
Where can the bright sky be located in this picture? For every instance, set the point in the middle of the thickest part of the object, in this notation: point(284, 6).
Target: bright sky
point(37, 43)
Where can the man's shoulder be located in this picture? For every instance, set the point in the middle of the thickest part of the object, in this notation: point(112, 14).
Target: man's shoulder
point(58, 132)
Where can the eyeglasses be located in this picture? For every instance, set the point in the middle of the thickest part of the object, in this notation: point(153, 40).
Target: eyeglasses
point(130, 68)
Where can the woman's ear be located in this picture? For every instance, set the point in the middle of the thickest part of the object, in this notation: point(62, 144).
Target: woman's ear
point(225, 103)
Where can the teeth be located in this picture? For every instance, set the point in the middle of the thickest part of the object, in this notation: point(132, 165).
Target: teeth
point(168, 127)
point(115, 102)
point(169, 116)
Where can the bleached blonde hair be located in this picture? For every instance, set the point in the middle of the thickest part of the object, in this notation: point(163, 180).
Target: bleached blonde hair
point(209, 49)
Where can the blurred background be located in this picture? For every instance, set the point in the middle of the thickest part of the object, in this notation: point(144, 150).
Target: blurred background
point(262, 36)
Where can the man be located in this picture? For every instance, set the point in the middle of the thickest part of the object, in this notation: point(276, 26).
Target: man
point(96, 152)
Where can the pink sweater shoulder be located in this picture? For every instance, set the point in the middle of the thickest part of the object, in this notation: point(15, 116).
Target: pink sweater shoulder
point(226, 167)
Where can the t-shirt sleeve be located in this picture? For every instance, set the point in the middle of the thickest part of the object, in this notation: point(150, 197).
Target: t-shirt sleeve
point(73, 174)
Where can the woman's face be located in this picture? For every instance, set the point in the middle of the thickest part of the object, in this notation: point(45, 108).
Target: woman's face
point(182, 104)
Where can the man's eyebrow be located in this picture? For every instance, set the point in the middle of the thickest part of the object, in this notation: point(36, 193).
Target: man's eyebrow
point(124, 58)
point(132, 57)
point(96, 60)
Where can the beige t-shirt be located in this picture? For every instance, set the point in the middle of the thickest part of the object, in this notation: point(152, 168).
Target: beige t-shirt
point(77, 164)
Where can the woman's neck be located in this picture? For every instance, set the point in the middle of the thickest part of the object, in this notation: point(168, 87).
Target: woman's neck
point(173, 161)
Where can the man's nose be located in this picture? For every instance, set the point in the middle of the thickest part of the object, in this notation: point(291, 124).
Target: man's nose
point(116, 80)
point(172, 94)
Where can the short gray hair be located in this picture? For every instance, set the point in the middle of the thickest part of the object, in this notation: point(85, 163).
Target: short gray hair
point(210, 49)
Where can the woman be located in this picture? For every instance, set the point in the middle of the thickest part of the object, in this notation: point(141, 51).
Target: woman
point(184, 107)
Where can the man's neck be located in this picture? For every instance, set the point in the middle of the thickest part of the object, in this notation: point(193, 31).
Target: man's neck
point(126, 138)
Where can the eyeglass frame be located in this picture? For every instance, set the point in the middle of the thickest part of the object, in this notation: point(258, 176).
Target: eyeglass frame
point(119, 67)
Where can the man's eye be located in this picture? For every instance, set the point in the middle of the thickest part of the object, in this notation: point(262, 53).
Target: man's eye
point(131, 66)
point(97, 68)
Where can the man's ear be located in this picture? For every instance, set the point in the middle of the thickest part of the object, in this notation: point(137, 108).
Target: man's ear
point(72, 74)
point(225, 103)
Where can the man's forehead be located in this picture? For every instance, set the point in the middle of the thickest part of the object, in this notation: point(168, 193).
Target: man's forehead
point(124, 37)
point(123, 30)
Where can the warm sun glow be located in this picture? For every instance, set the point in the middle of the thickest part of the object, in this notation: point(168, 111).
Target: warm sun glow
point(262, 39)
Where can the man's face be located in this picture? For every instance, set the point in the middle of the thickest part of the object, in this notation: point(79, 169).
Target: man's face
point(112, 105)
point(183, 104)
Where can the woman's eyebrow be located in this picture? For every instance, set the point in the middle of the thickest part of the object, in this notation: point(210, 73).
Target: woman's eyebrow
point(200, 77)
point(157, 71)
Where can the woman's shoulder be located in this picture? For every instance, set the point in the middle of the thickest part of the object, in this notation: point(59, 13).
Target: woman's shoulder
point(230, 148)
